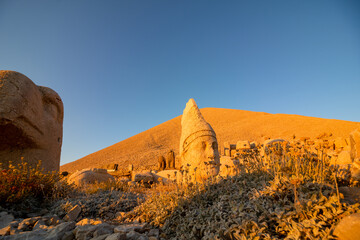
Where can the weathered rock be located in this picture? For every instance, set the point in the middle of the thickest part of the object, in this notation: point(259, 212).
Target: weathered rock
point(102, 237)
point(166, 176)
point(10, 229)
point(355, 144)
point(5, 219)
point(142, 237)
point(73, 214)
point(116, 236)
point(31, 119)
point(226, 148)
point(126, 228)
point(40, 224)
point(340, 143)
point(355, 170)
point(103, 229)
point(29, 235)
point(198, 146)
point(89, 221)
point(27, 223)
point(268, 144)
point(348, 227)
point(143, 177)
point(154, 233)
point(120, 215)
point(344, 157)
point(68, 236)
point(351, 194)
point(90, 176)
point(161, 163)
point(54, 220)
point(243, 145)
point(229, 166)
point(5, 231)
point(170, 160)
point(85, 232)
point(58, 232)
point(132, 235)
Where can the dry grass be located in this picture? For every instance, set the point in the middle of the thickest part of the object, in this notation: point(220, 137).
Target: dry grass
point(23, 187)
point(291, 194)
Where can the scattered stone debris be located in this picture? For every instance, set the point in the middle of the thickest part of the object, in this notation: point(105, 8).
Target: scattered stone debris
point(52, 227)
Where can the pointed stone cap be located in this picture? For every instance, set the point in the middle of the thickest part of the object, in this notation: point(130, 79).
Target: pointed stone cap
point(193, 126)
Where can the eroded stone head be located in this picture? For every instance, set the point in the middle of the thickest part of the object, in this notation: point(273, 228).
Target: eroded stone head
point(198, 145)
point(31, 120)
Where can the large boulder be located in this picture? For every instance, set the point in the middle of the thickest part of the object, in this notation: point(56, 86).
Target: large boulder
point(348, 228)
point(31, 121)
point(90, 176)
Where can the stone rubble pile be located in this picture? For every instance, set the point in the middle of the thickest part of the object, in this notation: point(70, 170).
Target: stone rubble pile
point(71, 228)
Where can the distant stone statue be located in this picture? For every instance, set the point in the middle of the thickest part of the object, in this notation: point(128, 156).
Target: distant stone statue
point(170, 160)
point(198, 146)
point(31, 121)
point(161, 163)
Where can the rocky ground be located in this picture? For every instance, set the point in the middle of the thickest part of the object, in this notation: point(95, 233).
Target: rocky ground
point(87, 216)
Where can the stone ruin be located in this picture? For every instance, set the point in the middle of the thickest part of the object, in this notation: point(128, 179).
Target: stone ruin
point(199, 154)
point(31, 121)
point(200, 158)
point(168, 162)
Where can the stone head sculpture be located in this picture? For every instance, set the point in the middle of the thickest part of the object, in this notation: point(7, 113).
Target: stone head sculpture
point(31, 119)
point(198, 145)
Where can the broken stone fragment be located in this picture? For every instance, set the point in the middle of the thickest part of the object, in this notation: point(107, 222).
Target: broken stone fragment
point(73, 214)
point(240, 145)
point(116, 236)
point(59, 231)
point(126, 228)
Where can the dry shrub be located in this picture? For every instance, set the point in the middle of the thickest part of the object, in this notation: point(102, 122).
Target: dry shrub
point(24, 186)
point(290, 193)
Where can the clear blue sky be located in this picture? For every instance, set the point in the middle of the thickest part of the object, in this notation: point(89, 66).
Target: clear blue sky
point(122, 67)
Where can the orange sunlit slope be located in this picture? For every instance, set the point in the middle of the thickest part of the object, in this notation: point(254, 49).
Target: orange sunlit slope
point(230, 125)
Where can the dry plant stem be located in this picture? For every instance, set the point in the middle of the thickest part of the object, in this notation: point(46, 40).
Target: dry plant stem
point(337, 188)
point(322, 169)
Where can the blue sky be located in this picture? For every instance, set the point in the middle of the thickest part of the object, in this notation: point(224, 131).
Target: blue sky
point(122, 67)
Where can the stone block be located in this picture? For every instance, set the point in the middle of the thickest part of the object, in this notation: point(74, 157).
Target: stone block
point(240, 145)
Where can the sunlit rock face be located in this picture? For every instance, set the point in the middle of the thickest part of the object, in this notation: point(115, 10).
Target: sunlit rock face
point(198, 146)
point(31, 121)
point(90, 176)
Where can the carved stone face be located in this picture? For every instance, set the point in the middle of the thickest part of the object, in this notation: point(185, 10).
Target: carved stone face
point(31, 119)
point(202, 158)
